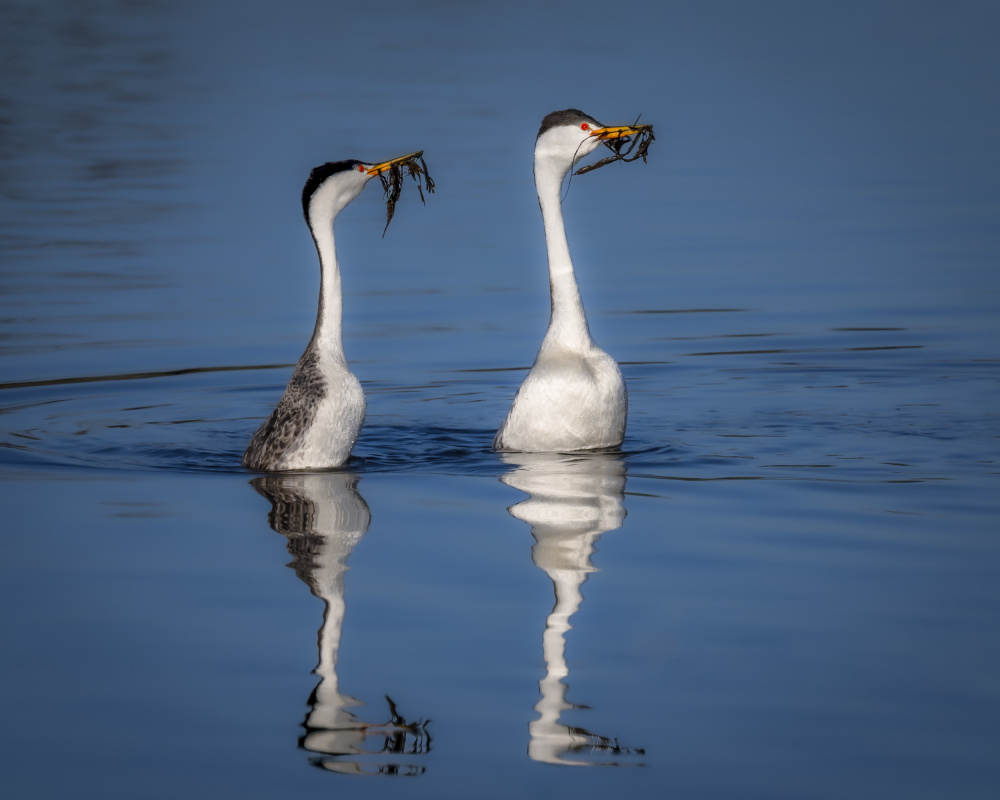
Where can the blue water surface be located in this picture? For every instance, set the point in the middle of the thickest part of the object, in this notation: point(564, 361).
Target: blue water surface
point(787, 582)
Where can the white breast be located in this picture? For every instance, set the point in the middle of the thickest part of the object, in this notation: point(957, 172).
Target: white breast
point(568, 402)
point(328, 440)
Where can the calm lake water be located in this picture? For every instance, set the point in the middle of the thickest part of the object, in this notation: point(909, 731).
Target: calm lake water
point(786, 585)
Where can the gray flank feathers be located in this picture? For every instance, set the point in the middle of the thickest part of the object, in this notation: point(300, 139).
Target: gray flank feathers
point(293, 415)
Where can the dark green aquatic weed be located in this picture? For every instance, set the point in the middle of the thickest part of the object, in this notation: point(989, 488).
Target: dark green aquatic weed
point(392, 182)
point(625, 148)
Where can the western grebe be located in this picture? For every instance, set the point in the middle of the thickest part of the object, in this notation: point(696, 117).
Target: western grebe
point(317, 420)
point(574, 397)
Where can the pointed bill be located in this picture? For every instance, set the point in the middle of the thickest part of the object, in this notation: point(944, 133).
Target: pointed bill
point(619, 132)
point(378, 169)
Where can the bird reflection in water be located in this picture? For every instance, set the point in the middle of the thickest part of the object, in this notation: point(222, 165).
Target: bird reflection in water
point(571, 501)
point(323, 517)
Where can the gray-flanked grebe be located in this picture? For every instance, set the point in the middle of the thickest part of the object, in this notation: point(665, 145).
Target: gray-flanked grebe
point(319, 417)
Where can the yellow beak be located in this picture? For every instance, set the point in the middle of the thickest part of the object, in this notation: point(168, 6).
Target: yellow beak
point(378, 169)
point(619, 132)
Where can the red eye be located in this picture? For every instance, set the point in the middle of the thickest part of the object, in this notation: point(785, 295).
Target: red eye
point(585, 127)
point(361, 167)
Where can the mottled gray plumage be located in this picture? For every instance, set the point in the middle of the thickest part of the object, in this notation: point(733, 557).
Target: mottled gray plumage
point(320, 415)
point(293, 415)
point(323, 517)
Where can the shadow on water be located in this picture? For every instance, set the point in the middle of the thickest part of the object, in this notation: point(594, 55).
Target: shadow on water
point(572, 500)
point(323, 517)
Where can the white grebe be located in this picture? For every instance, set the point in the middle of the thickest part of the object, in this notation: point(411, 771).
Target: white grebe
point(574, 397)
point(317, 420)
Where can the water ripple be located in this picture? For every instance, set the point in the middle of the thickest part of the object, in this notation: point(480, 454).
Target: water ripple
point(782, 424)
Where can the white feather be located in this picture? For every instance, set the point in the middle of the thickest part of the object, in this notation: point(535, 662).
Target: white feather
point(574, 397)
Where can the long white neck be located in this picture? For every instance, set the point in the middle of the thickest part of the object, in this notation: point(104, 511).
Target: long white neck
point(328, 335)
point(568, 324)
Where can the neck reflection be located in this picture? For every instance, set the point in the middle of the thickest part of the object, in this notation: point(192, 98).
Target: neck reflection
point(323, 517)
point(571, 501)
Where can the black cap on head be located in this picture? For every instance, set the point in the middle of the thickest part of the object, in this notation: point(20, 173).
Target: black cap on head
point(320, 174)
point(569, 116)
